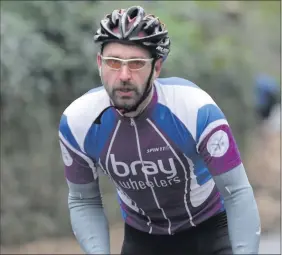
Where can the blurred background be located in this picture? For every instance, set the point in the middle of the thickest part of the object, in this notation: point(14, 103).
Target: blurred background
point(231, 49)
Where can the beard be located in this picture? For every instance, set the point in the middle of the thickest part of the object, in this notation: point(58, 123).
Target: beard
point(125, 95)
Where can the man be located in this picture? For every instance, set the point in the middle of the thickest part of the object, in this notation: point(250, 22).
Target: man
point(166, 146)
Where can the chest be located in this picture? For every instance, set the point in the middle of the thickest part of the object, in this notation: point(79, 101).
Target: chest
point(140, 151)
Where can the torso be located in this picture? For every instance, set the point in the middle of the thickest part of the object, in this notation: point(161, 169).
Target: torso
point(163, 184)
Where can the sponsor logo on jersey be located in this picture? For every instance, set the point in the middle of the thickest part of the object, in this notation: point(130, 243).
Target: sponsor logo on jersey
point(158, 149)
point(218, 144)
point(148, 168)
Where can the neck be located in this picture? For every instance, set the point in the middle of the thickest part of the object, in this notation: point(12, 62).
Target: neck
point(140, 108)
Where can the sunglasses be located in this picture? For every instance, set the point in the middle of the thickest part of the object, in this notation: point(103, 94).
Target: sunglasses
point(133, 64)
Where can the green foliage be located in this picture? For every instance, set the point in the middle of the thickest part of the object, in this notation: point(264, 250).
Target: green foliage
point(48, 59)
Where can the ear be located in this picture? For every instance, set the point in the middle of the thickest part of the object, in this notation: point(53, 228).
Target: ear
point(158, 68)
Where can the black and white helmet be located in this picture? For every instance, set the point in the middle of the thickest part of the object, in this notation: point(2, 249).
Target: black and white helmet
point(134, 26)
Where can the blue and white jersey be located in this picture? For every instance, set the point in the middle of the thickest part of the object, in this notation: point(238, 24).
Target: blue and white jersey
point(161, 162)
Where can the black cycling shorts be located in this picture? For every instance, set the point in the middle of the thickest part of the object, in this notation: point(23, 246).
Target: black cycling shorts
point(209, 237)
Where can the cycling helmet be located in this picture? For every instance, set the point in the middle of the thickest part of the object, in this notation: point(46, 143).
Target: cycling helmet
point(132, 25)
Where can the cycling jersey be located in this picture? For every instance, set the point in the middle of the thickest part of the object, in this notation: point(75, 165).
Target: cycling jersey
point(159, 162)
point(162, 162)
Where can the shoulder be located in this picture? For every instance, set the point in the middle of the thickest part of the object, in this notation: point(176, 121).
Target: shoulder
point(180, 92)
point(79, 116)
point(89, 104)
point(192, 105)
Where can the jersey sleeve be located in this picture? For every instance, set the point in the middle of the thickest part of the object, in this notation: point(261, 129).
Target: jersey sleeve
point(79, 168)
point(88, 220)
point(215, 141)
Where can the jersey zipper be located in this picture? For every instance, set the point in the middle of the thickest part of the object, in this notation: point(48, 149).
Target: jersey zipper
point(132, 123)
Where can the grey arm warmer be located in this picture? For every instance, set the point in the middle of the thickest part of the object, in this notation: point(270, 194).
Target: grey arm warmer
point(88, 220)
point(241, 208)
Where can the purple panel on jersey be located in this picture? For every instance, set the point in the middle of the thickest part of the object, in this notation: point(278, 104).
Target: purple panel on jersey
point(77, 170)
point(219, 150)
point(215, 206)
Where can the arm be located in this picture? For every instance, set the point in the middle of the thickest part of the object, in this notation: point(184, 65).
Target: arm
point(218, 148)
point(87, 216)
point(88, 220)
point(241, 208)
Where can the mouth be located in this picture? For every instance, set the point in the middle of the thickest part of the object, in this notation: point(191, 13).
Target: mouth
point(125, 92)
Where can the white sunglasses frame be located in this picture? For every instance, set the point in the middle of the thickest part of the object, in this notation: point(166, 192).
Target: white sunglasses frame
point(125, 61)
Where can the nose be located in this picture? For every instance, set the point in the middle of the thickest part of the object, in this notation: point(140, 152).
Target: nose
point(125, 73)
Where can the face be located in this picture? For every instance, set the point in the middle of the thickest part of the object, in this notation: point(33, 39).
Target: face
point(125, 84)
